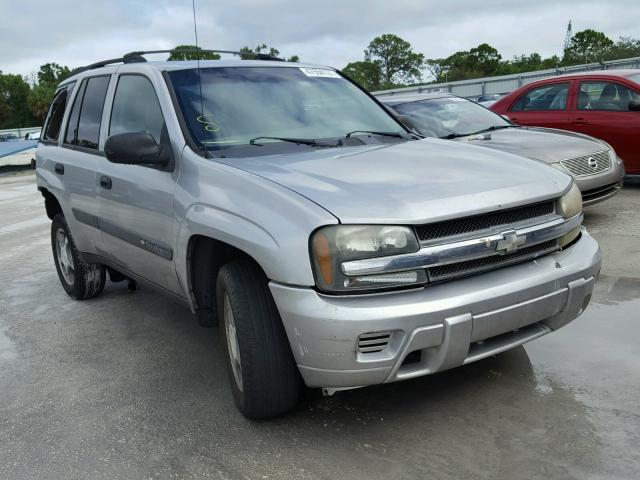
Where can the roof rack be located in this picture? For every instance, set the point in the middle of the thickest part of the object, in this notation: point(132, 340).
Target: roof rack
point(138, 57)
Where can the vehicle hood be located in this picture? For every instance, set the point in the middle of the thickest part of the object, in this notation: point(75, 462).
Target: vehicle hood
point(544, 144)
point(408, 183)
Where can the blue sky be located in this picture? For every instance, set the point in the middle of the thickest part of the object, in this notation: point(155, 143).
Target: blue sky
point(329, 32)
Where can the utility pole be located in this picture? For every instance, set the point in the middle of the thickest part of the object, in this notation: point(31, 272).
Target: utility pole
point(568, 37)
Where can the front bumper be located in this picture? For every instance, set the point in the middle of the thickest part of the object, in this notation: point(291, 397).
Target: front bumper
point(600, 194)
point(449, 324)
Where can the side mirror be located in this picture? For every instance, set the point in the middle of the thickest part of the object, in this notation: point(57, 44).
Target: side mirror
point(634, 106)
point(138, 148)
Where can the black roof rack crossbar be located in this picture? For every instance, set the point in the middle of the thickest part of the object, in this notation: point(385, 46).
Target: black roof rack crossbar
point(138, 57)
point(127, 58)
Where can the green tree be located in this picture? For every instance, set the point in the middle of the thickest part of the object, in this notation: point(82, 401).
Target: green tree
point(625, 47)
point(480, 61)
point(191, 52)
point(14, 111)
point(248, 53)
point(367, 74)
point(40, 96)
point(588, 46)
point(398, 62)
point(52, 74)
point(484, 58)
point(39, 99)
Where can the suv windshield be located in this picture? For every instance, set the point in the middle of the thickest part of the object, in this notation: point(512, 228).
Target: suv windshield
point(275, 104)
point(450, 116)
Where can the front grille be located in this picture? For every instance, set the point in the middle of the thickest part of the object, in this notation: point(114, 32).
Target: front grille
point(471, 267)
point(460, 226)
point(588, 164)
point(373, 342)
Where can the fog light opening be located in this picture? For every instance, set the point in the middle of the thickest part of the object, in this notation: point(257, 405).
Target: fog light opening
point(413, 357)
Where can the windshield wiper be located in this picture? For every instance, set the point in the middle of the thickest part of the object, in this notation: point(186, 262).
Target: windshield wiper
point(374, 132)
point(484, 130)
point(302, 141)
point(492, 128)
point(451, 136)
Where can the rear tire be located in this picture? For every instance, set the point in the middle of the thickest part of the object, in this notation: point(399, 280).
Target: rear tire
point(79, 279)
point(264, 377)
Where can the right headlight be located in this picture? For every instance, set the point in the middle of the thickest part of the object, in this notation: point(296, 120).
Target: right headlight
point(332, 246)
point(612, 154)
point(570, 205)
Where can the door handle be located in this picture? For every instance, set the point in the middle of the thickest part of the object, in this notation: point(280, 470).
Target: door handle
point(59, 168)
point(105, 182)
point(580, 121)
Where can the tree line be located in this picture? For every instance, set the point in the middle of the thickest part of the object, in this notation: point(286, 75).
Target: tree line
point(388, 62)
point(391, 62)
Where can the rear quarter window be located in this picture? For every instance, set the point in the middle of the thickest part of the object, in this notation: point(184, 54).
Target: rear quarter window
point(53, 123)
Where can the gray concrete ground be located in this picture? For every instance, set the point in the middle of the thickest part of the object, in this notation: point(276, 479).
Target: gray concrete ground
point(128, 386)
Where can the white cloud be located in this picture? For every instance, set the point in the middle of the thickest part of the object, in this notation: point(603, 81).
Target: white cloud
point(331, 32)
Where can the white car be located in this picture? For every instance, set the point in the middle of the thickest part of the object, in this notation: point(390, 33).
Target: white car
point(32, 136)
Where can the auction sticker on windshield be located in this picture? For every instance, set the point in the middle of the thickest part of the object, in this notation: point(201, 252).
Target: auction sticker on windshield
point(319, 72)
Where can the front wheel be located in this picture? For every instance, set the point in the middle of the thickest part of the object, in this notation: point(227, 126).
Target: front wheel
point(264, 376)
point(79, 279)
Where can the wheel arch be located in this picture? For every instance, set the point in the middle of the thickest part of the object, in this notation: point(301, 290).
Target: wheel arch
point(205, 256)
point(51, 203)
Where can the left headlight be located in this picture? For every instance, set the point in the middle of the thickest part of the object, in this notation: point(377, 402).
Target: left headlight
point(333, 245)
point(570, 205)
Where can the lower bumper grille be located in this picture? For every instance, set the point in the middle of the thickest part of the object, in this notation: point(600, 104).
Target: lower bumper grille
point(471, 267)
point(373, 342)
point(595, 193)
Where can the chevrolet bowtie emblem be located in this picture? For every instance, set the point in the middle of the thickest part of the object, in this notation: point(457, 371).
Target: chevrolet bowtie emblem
point(510, 241)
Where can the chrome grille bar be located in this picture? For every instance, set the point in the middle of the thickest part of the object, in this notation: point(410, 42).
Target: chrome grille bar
point(443, 254)
point(586, 165)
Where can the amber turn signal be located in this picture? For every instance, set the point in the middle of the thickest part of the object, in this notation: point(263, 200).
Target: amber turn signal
point(323, 257)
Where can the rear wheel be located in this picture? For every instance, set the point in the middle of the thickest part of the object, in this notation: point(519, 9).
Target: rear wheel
point(79, 279)
point(264, 377)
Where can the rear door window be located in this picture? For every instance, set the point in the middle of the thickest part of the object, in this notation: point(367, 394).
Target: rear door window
point(546, 97)
point(605, 96)
point(83, 128)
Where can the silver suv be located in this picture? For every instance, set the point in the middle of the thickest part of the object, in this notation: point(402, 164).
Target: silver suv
point(279, 200)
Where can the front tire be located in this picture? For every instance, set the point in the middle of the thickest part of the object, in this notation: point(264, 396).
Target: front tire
point(264, 377)
point(79, 279)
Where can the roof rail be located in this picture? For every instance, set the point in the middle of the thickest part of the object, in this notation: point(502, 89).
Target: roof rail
point(138, 57)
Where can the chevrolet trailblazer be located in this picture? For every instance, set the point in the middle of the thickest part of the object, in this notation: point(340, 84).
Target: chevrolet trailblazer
point(334, 247)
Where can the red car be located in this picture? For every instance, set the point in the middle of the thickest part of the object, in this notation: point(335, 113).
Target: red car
point(603, 104)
